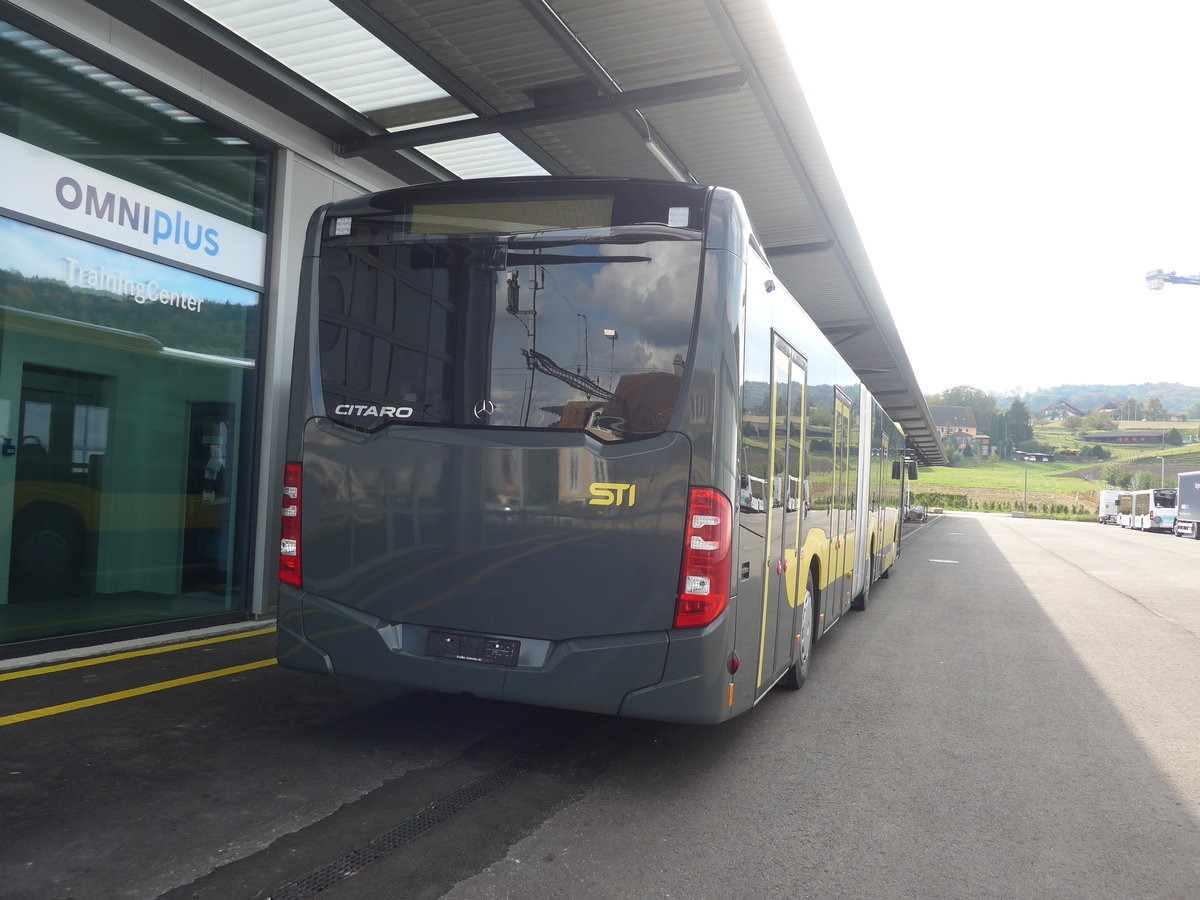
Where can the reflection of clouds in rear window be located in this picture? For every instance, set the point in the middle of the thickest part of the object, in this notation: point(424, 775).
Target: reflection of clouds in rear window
point(656, 300)
point(649, 304)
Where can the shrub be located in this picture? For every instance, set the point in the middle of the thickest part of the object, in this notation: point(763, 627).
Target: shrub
point(944, 500)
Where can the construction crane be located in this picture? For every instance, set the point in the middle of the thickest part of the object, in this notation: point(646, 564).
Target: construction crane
point(1156, 279)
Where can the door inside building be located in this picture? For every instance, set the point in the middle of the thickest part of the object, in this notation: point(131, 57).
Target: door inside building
point(58, 480)
point(206, 548)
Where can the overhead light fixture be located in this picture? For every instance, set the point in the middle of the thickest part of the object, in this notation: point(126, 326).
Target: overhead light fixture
point(675, 170)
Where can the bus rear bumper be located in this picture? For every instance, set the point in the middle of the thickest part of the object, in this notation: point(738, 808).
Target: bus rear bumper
point(593, 674)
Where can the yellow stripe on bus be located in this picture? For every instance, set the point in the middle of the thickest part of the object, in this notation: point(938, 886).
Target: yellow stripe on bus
point(132, 692)
point(132, 654)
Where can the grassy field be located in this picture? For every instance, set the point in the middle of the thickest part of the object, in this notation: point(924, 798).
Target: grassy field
point(1055, 477)
point(1002, 486)
point(1062, 489)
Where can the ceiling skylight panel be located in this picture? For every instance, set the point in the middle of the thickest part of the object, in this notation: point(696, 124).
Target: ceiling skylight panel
point(318, 41)
point(490, 155)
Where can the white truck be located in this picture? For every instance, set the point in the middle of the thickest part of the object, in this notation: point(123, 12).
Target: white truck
point(1108, 507)
point(1187, 506)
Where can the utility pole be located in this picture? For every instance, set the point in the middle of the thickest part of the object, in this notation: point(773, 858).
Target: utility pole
point(1025, 503)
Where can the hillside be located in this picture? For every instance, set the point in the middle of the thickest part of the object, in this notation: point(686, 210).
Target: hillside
point(1175, 398)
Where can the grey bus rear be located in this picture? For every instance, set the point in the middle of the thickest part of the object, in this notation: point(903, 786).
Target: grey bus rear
point(568, 442)
point(507, 472)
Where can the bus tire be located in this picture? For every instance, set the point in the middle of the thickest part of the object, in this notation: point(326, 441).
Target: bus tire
point(47, 552)
point(862, 600)
point(797, 673)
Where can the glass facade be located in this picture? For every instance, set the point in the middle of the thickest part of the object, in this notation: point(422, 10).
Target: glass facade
point(76, 110)
point(131, 260)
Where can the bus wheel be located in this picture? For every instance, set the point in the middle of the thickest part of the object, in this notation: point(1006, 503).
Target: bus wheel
point(861, 601)
point(796, 675)
point(46, 555)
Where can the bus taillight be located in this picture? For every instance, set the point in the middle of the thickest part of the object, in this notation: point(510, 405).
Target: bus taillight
point(704, 578)
point(289, 527)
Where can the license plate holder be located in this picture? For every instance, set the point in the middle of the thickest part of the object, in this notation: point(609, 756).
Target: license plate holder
point(473, 648)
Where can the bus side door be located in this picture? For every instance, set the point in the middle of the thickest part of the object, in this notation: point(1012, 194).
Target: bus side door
point(844, 499)
point(783, 503)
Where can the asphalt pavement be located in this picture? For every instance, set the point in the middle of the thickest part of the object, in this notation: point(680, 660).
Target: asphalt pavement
point(1017, 714)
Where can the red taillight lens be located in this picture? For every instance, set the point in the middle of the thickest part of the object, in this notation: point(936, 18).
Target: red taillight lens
point(704, 578)
point(289, 527)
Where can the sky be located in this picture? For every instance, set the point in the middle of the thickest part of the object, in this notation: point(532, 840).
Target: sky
point(1014, 170)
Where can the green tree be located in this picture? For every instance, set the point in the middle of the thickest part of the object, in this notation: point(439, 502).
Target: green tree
point(1174, 438)
point(1020, 428)
point(1098, 421)
point(999, 435)
point(820, 416)
point(1154, 410)
point(1193, 411)
point(982, 404)
point(1112, 474)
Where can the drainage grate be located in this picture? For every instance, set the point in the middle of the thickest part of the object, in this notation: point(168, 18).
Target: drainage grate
point(353, 862)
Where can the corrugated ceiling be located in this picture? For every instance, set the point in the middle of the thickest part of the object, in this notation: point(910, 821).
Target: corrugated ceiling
point(320, 42)
point(697, 90)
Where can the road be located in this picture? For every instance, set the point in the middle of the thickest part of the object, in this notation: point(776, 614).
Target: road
point(1016, 715)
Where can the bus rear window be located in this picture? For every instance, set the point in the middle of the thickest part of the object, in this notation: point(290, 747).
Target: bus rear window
point(583, 327)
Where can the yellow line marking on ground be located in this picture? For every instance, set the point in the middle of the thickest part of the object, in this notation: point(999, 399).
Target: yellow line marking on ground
point(132, 654)
point(132, 692)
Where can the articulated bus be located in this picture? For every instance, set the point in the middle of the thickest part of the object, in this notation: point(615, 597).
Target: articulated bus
point(1148, 510)
point(569, 442)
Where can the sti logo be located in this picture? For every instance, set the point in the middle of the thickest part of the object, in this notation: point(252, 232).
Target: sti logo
point(606, 493)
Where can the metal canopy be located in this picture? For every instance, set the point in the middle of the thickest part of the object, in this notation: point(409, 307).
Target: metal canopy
point(695, 90)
